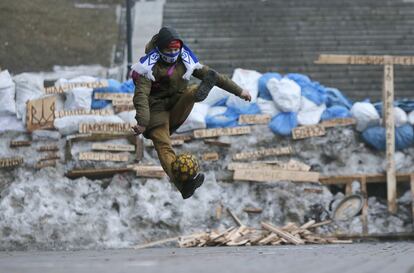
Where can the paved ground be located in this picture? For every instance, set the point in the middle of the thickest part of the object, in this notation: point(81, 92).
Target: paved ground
point(374, 257)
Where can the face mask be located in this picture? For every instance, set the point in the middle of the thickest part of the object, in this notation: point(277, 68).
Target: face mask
point(169, 58)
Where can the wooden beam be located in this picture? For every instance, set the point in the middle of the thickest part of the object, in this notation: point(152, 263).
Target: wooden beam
point(204, 133)
point(371, 178)
point(285, 235)
point(113, 147)
point(308, 131)
point(264, 152)
point(254, 119)
point(96, 173)
point(20, 143)
point(258, 175)
point(337, 122)
point(210, 156)
point(104, 156)
point(123, 102)
point(148, 171)
point(364, 59)
point(217, 143)
point(69, 86)
point(82, 112)
point(364, 216)
point(11, 161)
point(235, 218)
point(44, 164)
point(253, 210)
point(174, 142)
point(113, 96)
point(388, 114)
point(106, 128)
point(48, 148)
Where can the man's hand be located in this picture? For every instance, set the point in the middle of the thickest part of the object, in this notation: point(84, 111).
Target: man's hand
point(138, 129)
point(245, 95)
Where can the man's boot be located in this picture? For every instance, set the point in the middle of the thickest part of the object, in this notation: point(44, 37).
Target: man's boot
point(206, 85)
point(191, 185)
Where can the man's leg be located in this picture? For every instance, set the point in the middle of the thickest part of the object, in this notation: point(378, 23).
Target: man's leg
point(182, 109)
point(160, 136)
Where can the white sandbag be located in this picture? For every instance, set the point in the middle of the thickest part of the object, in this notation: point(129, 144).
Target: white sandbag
point(80, 79)
point(310, 113)
point(365, 114)
point(267, 107)
point(11, 123)
point(78, 98)
point(216, 111)
point(28, 87)
point(285, 93)
point(400, 117)
point(411, 118)
point(247, 80)
point(216, 95)
point(7, 93)
point(128, 116)
point(70, 124)
point(196, 119)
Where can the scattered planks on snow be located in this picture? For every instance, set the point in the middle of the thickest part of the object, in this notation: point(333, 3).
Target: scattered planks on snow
point(254, 119)
point(11, 162)
point(215, 132)
point(210, 156)
point(95, 173)
point(235, 218)
point(308, 131)
point(113, 147)
point(20, 143)
point(263, 153)
point(82, 112)
point(258, 175)
point(104, 156)
point(48, 148)
point(149, 171)
point(337, 122)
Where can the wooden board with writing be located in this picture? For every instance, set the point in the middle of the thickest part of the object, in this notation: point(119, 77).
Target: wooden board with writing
point(81, 112)
point(204, 133)
point(308, 131)
point(40, 113)
point(44, 164)
point(174, 142)
point(50, 156)
point(292, 165)
point(148, 171)
point(264, 152)
point(104, 156)
point(113, 96)
point(254, 119)
point(48, 148)
point(364, 59)
point(113, 147)
point(11, 162)
point(66, 87)
point(123, 102)
point(20, 143)
point(210, 156)
point(337, 122)
point(105, 128)
point(258, 175)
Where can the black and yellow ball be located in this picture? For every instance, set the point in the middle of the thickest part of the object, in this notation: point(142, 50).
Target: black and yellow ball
point(185, 167)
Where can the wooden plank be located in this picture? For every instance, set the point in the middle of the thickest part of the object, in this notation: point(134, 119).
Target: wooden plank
point(215, 132)
point(139, 143)
point(239, 165)
point(95, 172)
point(412, 197)
point(113, 147)
point(364, 216)
point(124, 108)
point(210, 156)
point(258, 175)
point(50, 156)
point(254, 119)
point(148, 170)
point(174, 142)
point(157, 243)
point(106, 128)
point(103, 156)
point(311, 190)
point(364, 59)
point(69, 86)
point(295, 165)
point(235, 218)
point(282, 234)
point(20, 143)
point(81, 112)
point(337, 122)
point(123, 102)
point(7, 162)
point(371, 178)
point(388, 114)
point(264, 152)
point(113, 96)
point(44, 164)
point(253, 210)
point(217, 143)
point(308, 131)
point(40, 113)
point(48, 148)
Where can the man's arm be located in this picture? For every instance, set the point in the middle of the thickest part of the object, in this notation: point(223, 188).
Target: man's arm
point(142, 91)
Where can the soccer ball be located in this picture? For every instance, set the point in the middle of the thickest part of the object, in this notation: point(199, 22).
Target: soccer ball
point(185, 167)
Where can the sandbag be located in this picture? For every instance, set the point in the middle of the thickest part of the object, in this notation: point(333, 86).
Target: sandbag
point(336, 111)
point(7, 93)
point(28, 87)
point(411, 118)
point(400, 117)
point(248, 80)
point(220, 117)
point(267, 107)
point(365, 114)
point(285, 94)
point(376, 137)
point(78, 98)
point(283, 123)
point(263, 91)
point(196, 119)
point(128, 116)
point(70, 124)
point(310, 113)
point(217, 96)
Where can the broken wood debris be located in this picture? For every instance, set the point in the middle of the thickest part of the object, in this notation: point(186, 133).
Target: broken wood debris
point(264, 152)
point(210, 156)
point(215, 132)
point(308, 131)
point(20, 143)
point(11, 162)
point(258, 175)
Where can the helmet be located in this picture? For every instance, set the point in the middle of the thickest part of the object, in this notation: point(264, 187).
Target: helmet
point(185, 167)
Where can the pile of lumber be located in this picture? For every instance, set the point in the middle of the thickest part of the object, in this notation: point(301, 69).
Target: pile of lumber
point(268, 235)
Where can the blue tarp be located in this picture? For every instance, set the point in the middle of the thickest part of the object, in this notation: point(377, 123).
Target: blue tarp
point(376, 137)
point(335, 111)
point(283, 123)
